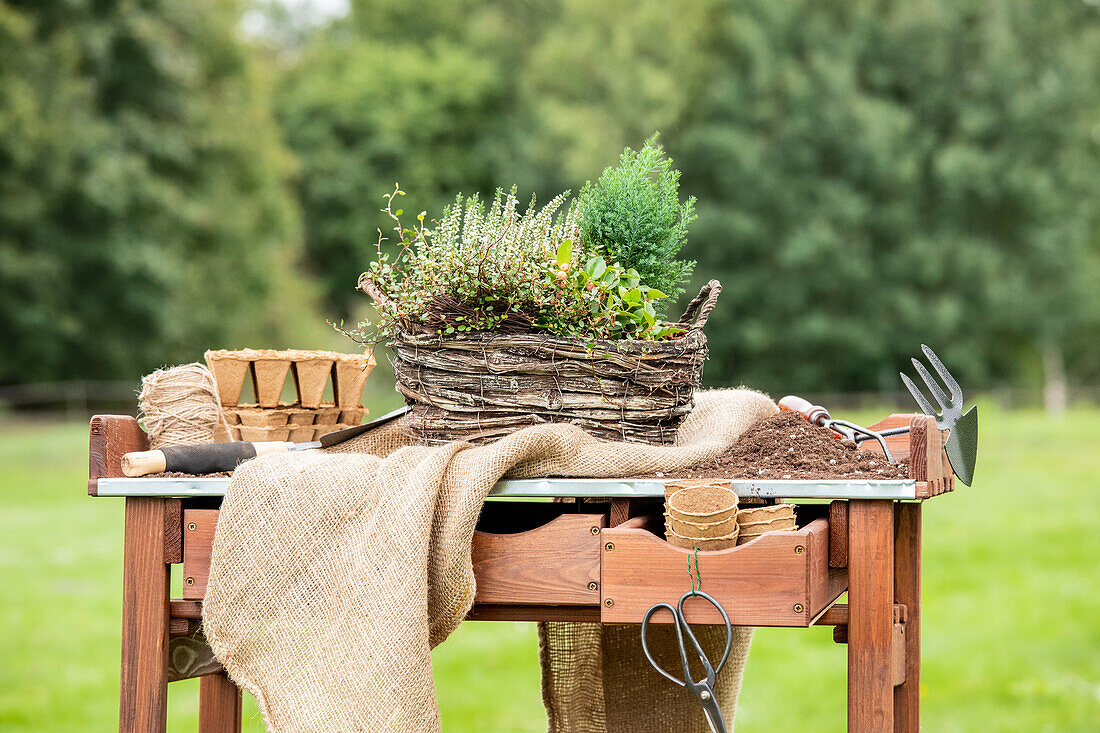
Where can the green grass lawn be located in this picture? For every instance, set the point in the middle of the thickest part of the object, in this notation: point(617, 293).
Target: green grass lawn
point(1011, 604)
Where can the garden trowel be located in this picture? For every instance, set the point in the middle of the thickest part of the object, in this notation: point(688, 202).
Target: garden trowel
point(962, 444)
point(216, 457)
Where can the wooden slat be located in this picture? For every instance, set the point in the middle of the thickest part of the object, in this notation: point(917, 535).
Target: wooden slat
point(650, 522)
point(183, 608)
point(897, 658)
point(109, 438)
point(918, 448)
point(620, 512)
point(870, 606)
point(555, 564)
point(837, 615)
point(173, 531)
point(767, 582)
point(824, 584)
point(198, 541)
point(897, 661)
point(143, 702)
point(219, 705)
point(191, 610)
point(505, 612)
point(179, 626)
point(907, 571)
point(838, 534)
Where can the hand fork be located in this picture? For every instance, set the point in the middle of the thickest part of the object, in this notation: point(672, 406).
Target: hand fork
point(962, 444)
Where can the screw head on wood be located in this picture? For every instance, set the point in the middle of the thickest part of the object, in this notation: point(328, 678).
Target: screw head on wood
point(191, 526)
point(799, 549)
point(609, 602)
point(798, 608)
point(609, 546)
point(595, 530)
point(190, 581)
point(593, 585)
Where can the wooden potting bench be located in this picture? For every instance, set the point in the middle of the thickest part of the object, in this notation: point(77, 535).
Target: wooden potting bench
point(599, 558)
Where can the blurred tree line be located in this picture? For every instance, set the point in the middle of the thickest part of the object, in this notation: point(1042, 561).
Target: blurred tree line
point(870, 176)
point(144, 205)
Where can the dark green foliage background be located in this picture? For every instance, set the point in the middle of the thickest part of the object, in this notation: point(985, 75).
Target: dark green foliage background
point(869, 176)
point(143, 208)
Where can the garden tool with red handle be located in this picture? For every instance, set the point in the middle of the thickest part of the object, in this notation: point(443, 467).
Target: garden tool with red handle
point(842, 429)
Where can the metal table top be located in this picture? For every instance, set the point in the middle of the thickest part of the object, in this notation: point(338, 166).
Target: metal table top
point(587, 488)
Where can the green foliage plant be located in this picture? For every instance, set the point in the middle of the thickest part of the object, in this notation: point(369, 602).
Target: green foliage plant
point(504, 271)
point(633, 215)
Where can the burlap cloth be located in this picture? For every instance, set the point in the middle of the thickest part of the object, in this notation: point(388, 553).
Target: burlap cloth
point(335, 573)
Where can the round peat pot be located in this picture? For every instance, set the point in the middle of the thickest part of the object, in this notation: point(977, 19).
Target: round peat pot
point(703, 543)
point(746, 537)
point(703, 505)
point(765, 513)
point(703, 530)
point(767, 525)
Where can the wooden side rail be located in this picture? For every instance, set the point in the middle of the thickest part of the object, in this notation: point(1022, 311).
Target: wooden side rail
point(923, 446)
point(109, 438)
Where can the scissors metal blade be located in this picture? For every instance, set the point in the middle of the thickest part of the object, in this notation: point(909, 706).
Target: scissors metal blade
point(714, 716)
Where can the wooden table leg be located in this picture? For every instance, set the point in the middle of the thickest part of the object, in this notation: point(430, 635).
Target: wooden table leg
point(219, 705)
point(870, 616)
point(907, 556)
point(143, 699)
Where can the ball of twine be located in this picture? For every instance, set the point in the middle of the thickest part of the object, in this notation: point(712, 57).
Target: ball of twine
point(179, 406)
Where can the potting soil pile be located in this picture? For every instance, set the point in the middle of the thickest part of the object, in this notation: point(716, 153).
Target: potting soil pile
point(334, 574)
point(785, 446)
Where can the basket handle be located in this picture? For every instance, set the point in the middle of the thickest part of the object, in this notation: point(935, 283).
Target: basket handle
point(698, 310)
point(368, 287)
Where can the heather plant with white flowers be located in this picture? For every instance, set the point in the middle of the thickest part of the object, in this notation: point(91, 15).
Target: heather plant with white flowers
point(505, 271)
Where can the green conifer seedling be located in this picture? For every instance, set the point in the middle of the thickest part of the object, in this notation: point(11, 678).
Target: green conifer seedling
point(633, 215)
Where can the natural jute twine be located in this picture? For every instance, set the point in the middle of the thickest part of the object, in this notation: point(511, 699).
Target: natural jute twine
point(179, 406)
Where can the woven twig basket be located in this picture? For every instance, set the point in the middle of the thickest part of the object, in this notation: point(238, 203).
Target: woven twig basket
point(481, 386)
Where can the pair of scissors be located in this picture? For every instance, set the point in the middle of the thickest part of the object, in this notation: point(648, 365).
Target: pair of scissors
point(703, 688)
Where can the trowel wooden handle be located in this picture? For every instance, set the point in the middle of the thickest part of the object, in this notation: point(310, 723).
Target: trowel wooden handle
point(197, 459)
point(815, 414)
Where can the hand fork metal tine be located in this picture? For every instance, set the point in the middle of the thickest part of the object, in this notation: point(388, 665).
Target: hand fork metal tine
point(933, 387)
point(952, 385)
point(925, 405)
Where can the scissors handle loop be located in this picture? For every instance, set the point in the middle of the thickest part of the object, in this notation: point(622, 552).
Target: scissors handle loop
point(683, 629)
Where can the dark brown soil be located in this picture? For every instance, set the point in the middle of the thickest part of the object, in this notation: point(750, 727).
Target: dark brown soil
point(785, 446)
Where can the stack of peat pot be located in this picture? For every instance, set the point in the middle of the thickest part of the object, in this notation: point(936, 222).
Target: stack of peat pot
point(755, 521)
point(705, 514)
point(308, 416)
point(702, 515)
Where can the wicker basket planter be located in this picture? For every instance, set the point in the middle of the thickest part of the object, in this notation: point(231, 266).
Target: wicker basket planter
point(481, 386)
